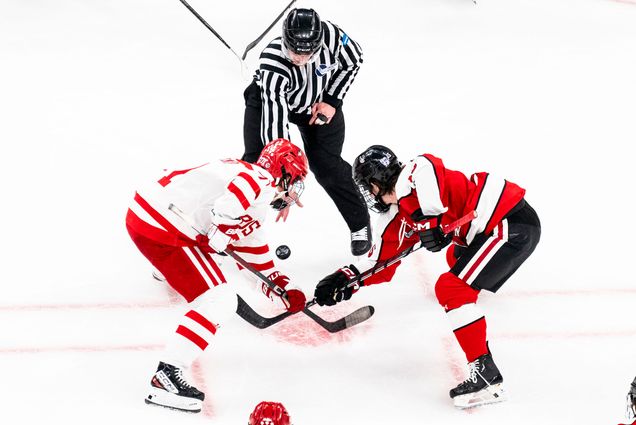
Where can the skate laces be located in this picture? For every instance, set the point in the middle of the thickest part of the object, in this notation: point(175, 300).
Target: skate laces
point(473, 373)
point(360, 235)
point(178, 374)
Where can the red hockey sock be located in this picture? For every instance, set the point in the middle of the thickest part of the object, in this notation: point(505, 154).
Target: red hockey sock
point(472, 339)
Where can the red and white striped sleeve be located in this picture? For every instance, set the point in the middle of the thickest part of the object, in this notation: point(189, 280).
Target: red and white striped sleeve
point(241, 193)
point(427, 177)
point(255, 250)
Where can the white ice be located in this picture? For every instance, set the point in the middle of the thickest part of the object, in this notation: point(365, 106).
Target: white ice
point(96, 96)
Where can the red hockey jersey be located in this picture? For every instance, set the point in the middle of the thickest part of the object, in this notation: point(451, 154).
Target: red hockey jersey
point(427, 188)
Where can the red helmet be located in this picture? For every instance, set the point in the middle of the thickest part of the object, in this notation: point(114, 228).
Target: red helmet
point(269, 413)
point(285, 161)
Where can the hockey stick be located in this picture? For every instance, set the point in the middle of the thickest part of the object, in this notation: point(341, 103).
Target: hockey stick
point(249, 315)
point(362, 313)
point(216, 34)
point(255, 42)
point(448, 228)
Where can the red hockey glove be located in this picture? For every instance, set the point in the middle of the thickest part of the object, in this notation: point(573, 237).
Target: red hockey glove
point(292, 297)
point(334, 288)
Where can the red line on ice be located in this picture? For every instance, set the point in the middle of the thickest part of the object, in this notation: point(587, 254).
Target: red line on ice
point(80, 349)
point(566, 335)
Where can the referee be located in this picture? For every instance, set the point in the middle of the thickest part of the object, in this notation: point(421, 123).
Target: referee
point(302, 78)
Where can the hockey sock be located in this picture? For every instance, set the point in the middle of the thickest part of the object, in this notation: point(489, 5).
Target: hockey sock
point(191, 337)
point(467, 319)
point(472, 336)
point(198, 326)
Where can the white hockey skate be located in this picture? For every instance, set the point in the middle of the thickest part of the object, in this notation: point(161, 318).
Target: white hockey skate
point(489, 395)
point(483, 386)
point(169, 389)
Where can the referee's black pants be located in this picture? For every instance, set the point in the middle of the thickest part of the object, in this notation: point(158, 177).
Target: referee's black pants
point(323, 146)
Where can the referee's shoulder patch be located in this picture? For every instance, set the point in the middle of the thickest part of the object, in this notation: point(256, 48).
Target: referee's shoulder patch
point(344, 39)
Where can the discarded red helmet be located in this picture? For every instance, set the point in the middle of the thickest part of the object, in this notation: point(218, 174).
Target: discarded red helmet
point(269, 413)
point(285, 161)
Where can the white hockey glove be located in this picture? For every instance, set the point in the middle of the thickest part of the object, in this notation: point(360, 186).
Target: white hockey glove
point(217, 239)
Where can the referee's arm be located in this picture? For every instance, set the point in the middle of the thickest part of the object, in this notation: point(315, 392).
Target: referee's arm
point(349, 54)
point(274, 119)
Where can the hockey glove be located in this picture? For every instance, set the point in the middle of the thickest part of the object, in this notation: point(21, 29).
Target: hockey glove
point(432, 236)
point(217, 239)
point(334, 288)
point(225, 230)
point(292, 297)
point(435, 239)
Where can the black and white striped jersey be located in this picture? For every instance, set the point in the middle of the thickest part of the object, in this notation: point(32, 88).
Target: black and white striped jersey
point(287, 88)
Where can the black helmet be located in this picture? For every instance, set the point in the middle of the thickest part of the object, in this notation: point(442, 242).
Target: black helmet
point(302, 31)
point(378, 165)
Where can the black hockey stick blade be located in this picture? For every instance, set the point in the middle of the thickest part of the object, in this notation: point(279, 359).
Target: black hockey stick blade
point(248, 314)
point(351, 319)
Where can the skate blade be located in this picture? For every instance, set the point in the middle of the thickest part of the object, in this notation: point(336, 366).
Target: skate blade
point(490, 395)
point(156, 274)
point(174, 402)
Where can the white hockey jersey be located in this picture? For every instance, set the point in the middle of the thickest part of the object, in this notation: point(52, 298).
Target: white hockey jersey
point(228, 193)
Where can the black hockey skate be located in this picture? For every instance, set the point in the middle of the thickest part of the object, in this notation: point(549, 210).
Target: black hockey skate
point(361, 241)
point(170, 389)
point(483, 386)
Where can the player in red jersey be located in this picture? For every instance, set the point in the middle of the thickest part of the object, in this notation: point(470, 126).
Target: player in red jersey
point(415, 201)
point(230, 200)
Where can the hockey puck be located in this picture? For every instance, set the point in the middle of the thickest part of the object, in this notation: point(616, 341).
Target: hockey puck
point(283, 252)
point(321, 119)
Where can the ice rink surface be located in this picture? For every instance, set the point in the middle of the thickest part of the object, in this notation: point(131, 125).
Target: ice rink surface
point(97, 96)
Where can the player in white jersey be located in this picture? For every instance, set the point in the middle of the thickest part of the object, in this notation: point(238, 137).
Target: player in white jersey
point(229, 199)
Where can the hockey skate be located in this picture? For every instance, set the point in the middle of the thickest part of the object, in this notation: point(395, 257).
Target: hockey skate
point(361, 241)
point(483, 386)
point(171, 390)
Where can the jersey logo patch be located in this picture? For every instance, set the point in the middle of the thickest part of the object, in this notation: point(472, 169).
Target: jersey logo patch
point(403, 232)
point(324, 69)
